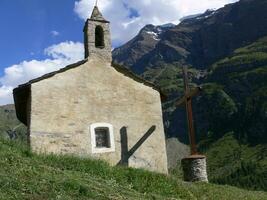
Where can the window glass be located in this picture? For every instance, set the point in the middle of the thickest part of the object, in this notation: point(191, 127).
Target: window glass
point(102, 137)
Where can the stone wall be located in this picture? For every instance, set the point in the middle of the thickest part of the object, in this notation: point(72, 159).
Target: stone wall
point(64, 106)
point(195, 168)
point(89, 40)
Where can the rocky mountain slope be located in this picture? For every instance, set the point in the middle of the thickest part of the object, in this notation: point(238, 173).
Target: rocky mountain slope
point(225, 51)
point(197, 42)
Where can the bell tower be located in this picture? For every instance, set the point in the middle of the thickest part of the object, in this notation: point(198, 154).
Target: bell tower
point(97, 40)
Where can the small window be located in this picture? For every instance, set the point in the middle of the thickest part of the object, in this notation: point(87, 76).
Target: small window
point(99, 37)
point(102, 138)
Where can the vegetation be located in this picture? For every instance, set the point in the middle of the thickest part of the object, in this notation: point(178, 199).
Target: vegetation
point(230, 162)
point(226, 52)
point(24, 175)
point(234, 102)
point(10, 127)
point(244, 81)
point(230, 114)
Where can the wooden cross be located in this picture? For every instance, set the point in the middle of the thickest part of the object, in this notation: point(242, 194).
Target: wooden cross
point(187, 99)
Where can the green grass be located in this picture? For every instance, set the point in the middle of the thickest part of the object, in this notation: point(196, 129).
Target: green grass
point(24, 175)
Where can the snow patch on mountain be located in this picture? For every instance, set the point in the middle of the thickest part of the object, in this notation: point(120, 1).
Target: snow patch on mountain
point(155, 36)
point(207, 14)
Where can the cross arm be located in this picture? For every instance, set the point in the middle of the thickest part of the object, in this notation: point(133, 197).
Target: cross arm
point(190, 94)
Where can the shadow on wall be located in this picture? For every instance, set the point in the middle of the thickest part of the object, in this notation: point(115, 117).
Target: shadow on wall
point(125, 153)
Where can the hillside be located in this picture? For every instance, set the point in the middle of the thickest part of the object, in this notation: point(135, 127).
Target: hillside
point(10, 127)
point(157, 54)
point(240, 154)
point(230, 162)
point(24, 175)
point(244, 82)
point(225, 51)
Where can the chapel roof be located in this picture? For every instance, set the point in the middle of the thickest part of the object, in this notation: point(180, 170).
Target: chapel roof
point(22, 92)
point(123, 70)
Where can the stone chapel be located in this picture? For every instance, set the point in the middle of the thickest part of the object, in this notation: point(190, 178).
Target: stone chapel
point(94, 108)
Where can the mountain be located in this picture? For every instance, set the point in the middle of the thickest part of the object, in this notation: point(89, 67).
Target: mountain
point(225, 52)
point(199, 41)
point(190, 17)
point(138, 47)
point(10, 127)
point(24, 175)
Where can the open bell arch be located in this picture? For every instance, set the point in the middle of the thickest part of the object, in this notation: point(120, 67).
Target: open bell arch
point(99, 37)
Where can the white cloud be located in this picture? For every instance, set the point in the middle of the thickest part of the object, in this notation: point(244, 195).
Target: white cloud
point(5, 95)
point(70, 51)
point(54, 33)
point(125, 24)
point(60, 55)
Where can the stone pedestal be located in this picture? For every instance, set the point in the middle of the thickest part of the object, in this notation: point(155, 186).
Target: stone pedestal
point(194, 168)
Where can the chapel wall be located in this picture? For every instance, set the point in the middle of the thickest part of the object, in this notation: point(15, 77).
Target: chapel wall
point(64, 106)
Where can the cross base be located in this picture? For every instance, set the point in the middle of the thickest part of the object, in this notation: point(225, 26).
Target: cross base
point(194, 168)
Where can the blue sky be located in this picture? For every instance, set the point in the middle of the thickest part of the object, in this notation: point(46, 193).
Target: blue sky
point(26, 28)
point(40, 36)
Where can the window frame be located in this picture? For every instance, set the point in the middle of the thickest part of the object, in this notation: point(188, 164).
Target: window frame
point(97, 150)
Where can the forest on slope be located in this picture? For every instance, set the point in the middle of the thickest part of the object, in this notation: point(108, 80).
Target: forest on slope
point(226, 53)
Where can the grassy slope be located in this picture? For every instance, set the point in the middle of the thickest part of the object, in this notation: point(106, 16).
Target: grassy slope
point(24, 175)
